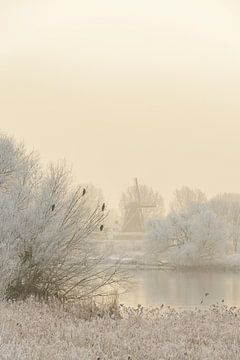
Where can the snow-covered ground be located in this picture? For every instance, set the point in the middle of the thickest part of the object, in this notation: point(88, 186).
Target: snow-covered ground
point(31, 331)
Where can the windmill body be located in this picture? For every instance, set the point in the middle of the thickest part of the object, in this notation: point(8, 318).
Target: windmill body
point(133, 217)
point(133, 221)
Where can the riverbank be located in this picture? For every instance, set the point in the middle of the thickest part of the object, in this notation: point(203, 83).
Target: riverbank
point(139, 260)
point(34, 331)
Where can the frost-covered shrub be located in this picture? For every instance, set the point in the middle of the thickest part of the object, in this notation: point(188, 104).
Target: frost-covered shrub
point(45, 227)
point(194, 236)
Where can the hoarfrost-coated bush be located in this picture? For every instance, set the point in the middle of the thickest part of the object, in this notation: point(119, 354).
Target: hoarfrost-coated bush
point(195, 236)
point(45, 226)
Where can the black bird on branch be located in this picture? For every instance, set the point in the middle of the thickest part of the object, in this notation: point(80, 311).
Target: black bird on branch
point(53, 207)
point(101, 228)
point(103, 206)
point(84, 192)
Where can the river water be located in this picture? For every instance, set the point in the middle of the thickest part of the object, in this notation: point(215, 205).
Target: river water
point(182, 289)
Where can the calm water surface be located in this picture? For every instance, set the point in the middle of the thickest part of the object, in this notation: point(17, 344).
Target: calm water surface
point(182, 289)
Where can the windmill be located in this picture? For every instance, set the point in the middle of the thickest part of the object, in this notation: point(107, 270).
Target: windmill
point(133, 217)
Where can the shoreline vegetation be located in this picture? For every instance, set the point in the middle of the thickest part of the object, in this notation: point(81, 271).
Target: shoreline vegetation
point(182, 268)
point(137, 262)
point(33, 330)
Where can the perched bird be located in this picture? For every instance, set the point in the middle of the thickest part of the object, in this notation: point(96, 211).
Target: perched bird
point(222, 300)
point(201, 301)
point(103, 206)
point(206, 294)
point(101, 228)
point(84, 192)
point(53, 207)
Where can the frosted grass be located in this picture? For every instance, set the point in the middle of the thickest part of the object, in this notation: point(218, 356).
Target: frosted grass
point(31, 331)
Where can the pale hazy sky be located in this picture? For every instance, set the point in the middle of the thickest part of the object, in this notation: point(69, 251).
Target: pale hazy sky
point(125, 88)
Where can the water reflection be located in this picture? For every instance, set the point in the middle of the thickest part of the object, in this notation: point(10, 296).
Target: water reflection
point(183, 289)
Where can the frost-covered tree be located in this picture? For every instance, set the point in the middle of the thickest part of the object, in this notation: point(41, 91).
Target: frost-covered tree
point(46, 224)
point(185, 196)
point(227, 206)
point(194, 236)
